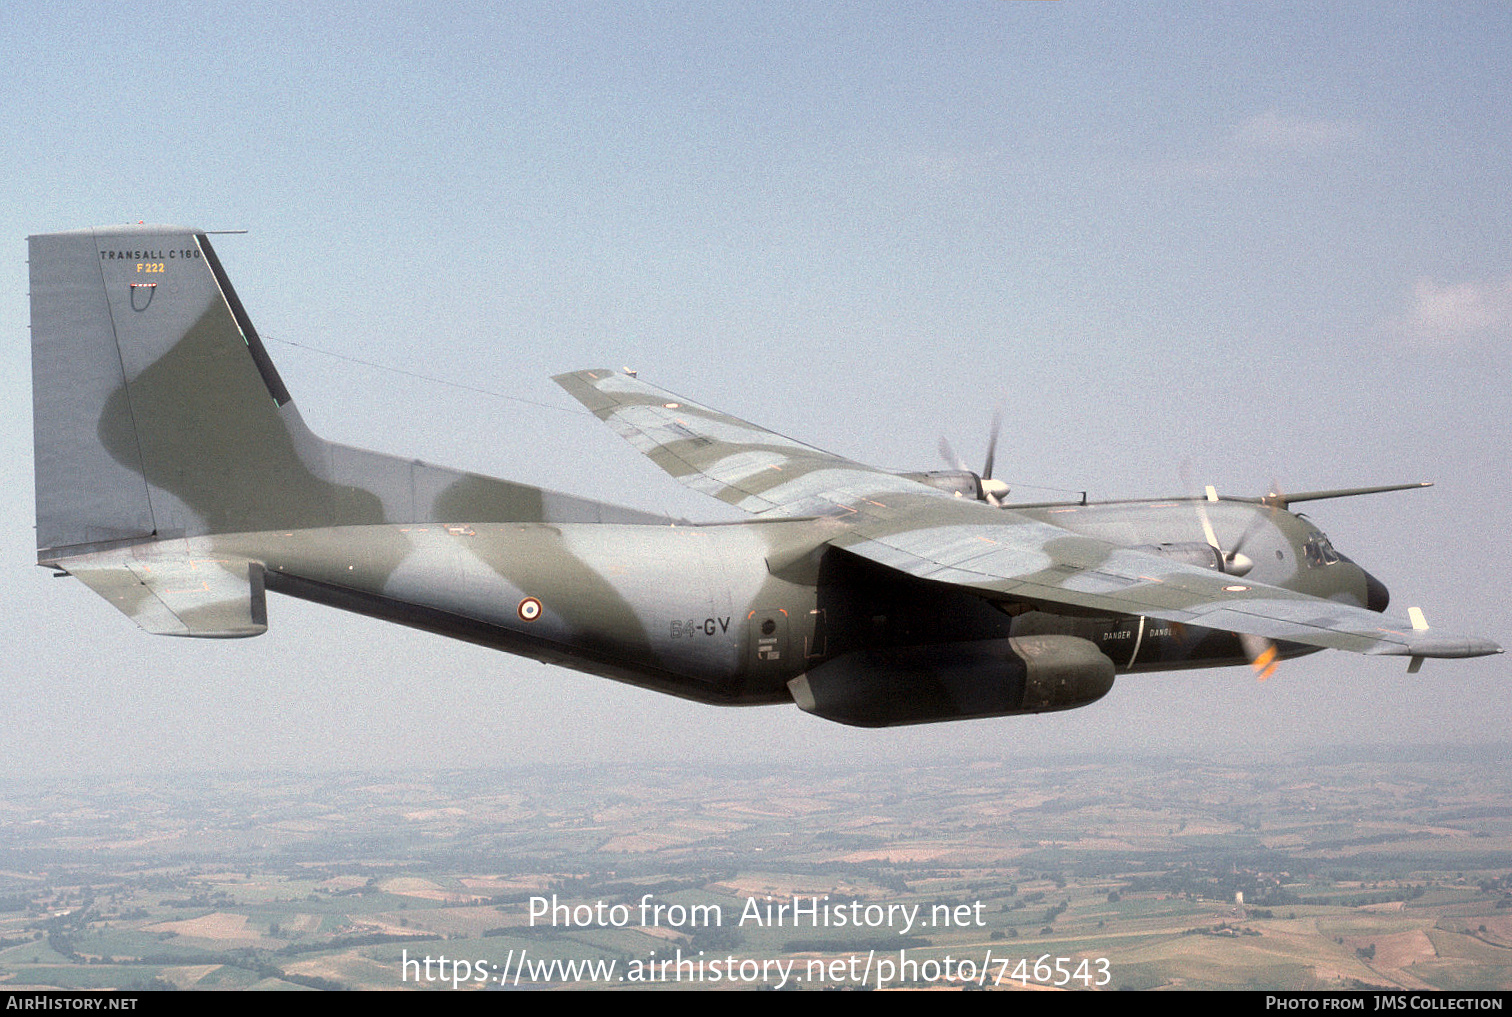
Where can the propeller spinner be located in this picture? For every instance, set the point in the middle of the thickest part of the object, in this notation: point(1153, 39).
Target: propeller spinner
point(992, 491)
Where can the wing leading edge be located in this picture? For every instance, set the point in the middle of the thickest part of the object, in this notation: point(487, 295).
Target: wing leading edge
point(1000, 554)
point(725, 457)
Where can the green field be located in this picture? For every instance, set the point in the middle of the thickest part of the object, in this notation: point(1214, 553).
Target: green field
point(1106, 874)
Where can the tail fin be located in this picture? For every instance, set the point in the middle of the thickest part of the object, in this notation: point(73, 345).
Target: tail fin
point(157, 412)
point(159, 415)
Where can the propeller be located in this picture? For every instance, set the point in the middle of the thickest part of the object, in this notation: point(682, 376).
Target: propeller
point(952, 460)
point(1233, 561)
point(993, 491)
point(1262, 653)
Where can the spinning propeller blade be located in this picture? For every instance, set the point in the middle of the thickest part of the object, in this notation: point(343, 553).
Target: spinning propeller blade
point(993, 491)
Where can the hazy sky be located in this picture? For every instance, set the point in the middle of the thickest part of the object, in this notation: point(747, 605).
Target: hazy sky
point(1267, 240)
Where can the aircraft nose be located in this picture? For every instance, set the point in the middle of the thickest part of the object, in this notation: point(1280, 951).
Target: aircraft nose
point(1376, 594)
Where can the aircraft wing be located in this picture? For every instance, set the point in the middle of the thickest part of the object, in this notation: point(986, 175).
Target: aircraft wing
point(728, 458)
point(921, 531)
point(1001, 553)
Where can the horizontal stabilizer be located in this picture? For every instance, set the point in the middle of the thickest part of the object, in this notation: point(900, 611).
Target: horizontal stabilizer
point(174, 596)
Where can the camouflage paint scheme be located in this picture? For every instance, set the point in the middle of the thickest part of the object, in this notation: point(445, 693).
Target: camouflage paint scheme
point(176, 479)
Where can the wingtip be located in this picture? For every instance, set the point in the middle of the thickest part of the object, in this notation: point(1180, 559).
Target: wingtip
point(1453, 647)
point(591, 374)
point(583, 386)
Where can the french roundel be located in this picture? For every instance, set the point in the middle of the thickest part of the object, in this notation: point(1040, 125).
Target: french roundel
point(530, 609)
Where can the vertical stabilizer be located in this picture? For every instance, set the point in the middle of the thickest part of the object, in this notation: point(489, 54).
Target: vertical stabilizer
point(157, 412)
point(159, 415)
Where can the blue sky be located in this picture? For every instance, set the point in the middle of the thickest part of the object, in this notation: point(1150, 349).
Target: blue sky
point(1265, 240)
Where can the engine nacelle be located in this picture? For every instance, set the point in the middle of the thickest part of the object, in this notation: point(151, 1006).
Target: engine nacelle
point(955, 681)
point(1202, 555)
point(1189, 552)
point(961, 483)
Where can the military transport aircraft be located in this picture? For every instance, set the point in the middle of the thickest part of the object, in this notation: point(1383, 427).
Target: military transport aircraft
point(176, 479)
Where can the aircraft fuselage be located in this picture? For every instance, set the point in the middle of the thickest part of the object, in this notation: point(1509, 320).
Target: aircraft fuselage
point(731, 613)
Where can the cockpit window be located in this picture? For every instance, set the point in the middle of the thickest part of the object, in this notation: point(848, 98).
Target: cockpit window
point(1319, 552)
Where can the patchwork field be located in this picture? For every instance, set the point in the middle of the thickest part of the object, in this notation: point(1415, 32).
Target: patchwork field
point(1302, 872)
